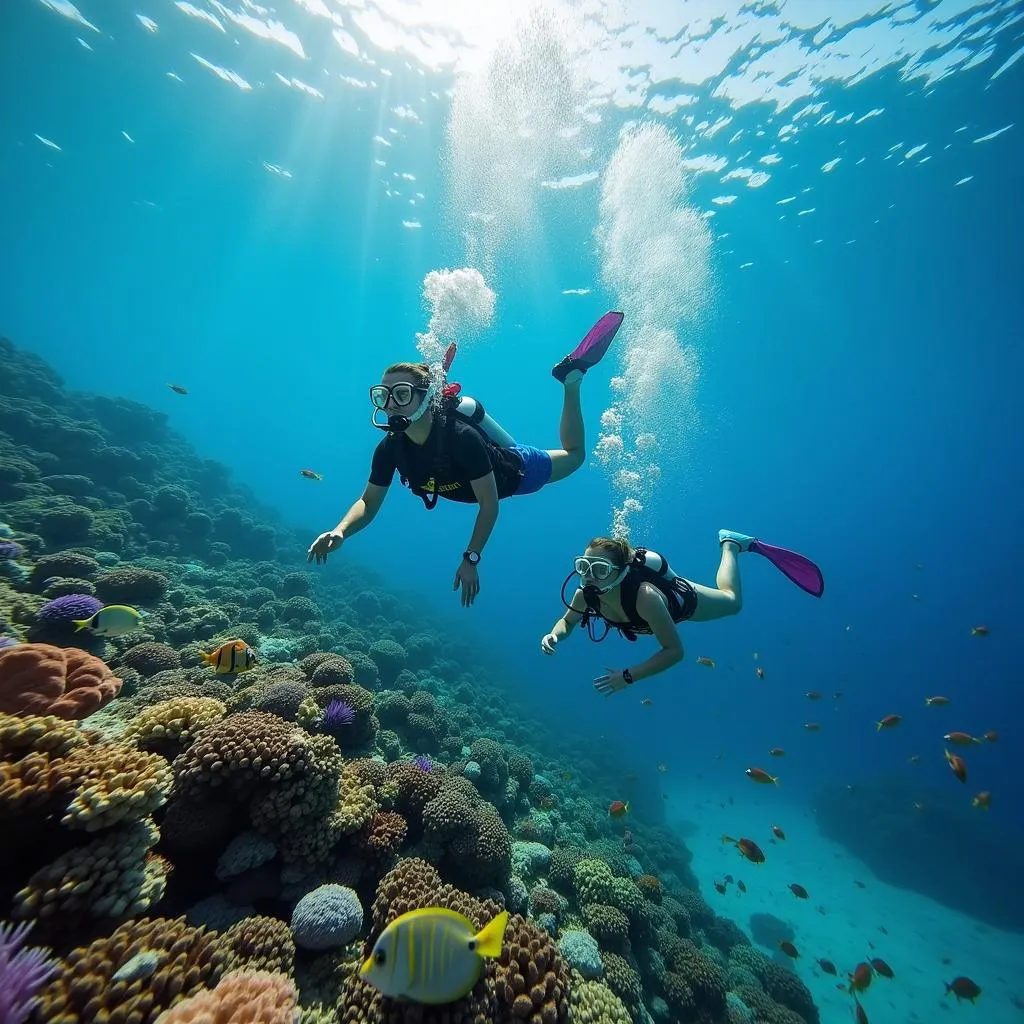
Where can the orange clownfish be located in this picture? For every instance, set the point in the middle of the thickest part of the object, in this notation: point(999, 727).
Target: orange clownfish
point(231, 658)
point(310, 474)
point(616, 809)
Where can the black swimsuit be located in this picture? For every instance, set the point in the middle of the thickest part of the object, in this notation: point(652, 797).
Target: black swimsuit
point(679, 595)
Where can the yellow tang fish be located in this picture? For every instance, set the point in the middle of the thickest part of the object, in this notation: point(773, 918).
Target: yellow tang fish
point(231, 657)
point(432, 956)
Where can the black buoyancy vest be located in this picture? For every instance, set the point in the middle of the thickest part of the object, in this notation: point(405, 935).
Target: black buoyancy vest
point(441, 446)
point(678, 593)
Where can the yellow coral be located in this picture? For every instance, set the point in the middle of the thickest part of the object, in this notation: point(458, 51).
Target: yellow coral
point(109, 877)
point(177, 720)
point(356, 802)
point(593, 1002)
point(44, 733)
point(113, 783)
point(309, 716)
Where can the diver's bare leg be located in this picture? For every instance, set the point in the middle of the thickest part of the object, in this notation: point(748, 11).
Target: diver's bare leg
point(728, 598)
point(571, 432)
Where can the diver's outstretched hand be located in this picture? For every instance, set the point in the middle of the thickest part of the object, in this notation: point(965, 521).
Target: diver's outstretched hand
point(324, 545)
point(547, 643)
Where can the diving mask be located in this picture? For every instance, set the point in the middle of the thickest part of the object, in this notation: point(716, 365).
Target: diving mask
point(400, 395)
point(596, 568)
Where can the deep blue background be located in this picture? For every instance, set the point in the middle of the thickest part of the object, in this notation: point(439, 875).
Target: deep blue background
point(858, 402)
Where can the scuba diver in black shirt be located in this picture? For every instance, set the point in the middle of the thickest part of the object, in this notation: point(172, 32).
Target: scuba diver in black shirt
point(445, 445)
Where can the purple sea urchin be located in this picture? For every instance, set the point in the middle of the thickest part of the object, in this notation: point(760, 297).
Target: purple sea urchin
point(23, 972)
point(338, 715)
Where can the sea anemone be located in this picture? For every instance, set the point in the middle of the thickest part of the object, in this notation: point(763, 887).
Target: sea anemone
point(23, 972)
point(338, 715)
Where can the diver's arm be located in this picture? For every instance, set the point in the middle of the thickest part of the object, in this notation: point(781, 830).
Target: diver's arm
point(651, 607)
point(567, 623)
point(485, 489)
point(363, 512)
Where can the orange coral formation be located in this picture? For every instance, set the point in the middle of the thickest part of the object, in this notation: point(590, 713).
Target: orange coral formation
point(38, 679)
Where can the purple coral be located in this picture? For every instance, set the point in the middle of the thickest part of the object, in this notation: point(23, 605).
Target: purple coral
point(23, 972)
point(9, 550)
point(61, 611)
point(423, 762)
point(338, 715)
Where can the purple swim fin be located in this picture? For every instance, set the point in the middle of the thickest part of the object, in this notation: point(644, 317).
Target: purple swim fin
point(800, 569)
point(591, 349)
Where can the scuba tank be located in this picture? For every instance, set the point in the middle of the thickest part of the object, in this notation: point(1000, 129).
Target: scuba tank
point(473, 412)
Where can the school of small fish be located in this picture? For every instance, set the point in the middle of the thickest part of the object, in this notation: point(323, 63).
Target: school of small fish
point(859, 980)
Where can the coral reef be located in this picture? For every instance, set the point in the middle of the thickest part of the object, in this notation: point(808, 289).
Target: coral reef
point(201, 846)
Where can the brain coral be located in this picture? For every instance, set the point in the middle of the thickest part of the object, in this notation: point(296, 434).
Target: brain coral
point(131, 585)
point(149, 658)
point(38, 679)
point(64, 563)
point(326, 918)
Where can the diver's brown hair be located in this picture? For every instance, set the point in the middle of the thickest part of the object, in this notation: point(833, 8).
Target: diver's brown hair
point(419, 373)
point(618, 552)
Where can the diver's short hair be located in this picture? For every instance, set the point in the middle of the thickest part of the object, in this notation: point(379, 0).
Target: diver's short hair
point(419, 373)
point(617, 551)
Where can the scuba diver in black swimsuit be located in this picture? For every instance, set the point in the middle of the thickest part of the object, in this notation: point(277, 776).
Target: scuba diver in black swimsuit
point(634, 591)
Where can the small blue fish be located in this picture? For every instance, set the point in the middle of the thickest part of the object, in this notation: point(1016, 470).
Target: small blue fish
point(432, 956)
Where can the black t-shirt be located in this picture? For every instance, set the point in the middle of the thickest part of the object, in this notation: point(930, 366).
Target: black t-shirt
point(468, 458)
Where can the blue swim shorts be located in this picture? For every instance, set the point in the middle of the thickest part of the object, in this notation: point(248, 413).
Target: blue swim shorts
point(536, 468)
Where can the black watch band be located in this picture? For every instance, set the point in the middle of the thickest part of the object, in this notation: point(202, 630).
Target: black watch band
point(473, 557)
point(628, 676)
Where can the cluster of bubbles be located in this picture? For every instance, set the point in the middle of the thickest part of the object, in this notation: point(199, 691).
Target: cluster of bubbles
point(656, 259)
point(461, 307)
point(517, 120)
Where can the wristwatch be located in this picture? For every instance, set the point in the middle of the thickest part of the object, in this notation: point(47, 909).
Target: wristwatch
point(628, 676)
point(473, 557)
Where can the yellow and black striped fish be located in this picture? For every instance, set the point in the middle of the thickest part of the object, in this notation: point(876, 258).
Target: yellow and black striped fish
point(231, 657)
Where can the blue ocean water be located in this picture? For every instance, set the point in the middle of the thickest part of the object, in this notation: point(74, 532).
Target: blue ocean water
point(811, 222)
